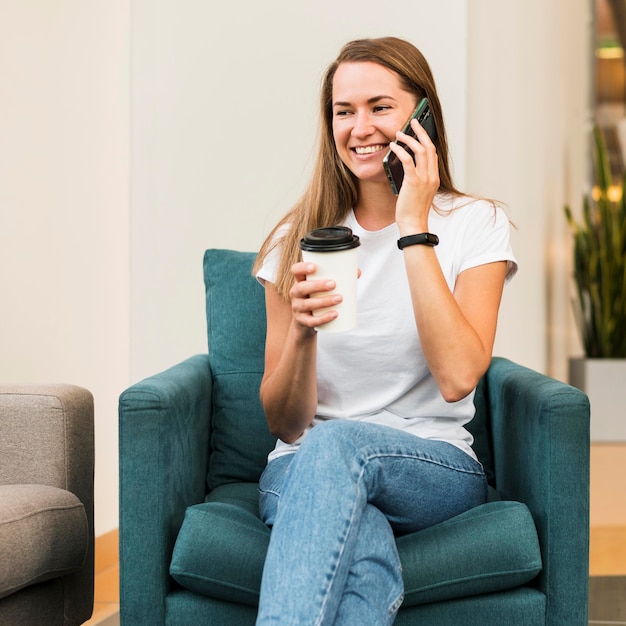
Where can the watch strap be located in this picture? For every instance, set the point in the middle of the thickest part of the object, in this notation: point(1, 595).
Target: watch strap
point(426, 239)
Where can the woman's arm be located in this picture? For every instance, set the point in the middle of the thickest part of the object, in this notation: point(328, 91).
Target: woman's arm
point(289, 385)
point(456, 330)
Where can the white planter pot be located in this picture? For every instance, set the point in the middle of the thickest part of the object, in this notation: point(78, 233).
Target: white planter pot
point(604, 381)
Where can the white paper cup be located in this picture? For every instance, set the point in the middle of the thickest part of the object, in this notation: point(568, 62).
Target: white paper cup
point(334, 251)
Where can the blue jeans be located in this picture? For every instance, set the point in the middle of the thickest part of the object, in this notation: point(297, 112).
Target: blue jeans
point(335, 507)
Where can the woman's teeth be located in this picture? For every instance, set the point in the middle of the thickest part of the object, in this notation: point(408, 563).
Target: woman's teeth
point(369, 149)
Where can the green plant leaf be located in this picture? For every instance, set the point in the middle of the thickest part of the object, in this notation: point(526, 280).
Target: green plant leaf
point(599, 259)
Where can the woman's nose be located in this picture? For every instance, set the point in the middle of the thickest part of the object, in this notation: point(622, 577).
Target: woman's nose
point(362, 125)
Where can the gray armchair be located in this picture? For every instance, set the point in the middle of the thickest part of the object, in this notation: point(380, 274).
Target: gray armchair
point(46, 505)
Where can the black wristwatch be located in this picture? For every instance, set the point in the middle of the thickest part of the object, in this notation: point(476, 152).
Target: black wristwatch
point(427, 239)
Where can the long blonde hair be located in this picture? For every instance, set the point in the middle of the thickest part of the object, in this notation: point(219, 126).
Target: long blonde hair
point(332, 190)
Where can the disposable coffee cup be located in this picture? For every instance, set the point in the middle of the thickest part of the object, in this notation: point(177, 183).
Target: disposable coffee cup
point(334, 252)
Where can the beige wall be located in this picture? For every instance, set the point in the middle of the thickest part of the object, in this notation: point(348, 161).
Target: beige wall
point(133, 135)
point(528, 118)
point(64, 207)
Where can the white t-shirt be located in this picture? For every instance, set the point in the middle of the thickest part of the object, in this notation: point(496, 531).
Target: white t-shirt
point(377, 372)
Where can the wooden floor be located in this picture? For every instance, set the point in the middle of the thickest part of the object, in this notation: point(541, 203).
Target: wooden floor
point(608, 510)
point(607, 551)
point(106, 610)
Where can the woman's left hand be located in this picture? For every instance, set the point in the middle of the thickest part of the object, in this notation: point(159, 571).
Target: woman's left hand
point(421, 180)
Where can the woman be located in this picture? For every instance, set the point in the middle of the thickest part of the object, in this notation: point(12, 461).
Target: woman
point(370, 422)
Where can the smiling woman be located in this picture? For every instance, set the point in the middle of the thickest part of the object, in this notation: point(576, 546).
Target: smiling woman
point(355, 452)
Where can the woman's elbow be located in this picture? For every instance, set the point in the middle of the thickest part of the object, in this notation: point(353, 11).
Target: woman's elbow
point(456, 393)
point(280, 427)
point(285, 436)
point(458, 387)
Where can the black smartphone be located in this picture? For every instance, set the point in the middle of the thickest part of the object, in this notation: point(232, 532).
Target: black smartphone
point(392, 164)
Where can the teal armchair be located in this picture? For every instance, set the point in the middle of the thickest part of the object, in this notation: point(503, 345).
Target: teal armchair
point(194, 441)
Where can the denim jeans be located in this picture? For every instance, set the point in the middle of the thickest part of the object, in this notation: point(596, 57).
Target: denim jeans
point(335, 507)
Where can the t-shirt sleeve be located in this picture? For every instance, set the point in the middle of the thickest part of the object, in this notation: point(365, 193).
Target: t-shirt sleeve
point(487, 238)
point(269, 269)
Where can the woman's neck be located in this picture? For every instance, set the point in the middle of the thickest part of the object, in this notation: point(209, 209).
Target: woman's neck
point(376, 206)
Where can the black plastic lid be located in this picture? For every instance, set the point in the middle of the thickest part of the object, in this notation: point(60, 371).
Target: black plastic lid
point(329, 239)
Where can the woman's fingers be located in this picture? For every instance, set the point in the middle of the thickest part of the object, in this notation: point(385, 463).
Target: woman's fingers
point(309, 298)
point(424, 166)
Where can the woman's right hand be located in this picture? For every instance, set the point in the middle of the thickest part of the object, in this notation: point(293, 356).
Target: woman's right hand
point(309, 296)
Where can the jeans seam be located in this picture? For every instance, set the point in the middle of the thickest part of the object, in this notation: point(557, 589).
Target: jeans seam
point(426, 459)
point(396, 604)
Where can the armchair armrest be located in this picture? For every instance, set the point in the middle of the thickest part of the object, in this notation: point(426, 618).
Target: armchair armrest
point(164, 449)
point(47, 438)
point(540, 430)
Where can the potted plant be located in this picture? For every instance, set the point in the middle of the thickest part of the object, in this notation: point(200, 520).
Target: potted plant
point(600, 303)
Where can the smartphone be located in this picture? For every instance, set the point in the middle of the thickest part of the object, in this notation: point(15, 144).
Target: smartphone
point(393, 165)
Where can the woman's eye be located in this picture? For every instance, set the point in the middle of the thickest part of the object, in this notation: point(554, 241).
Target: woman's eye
point(380, 108)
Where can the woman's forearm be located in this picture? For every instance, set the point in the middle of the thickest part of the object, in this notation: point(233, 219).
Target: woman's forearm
point(289, 390)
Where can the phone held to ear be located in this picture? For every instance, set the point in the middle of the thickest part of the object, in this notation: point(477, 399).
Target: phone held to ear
point(393, 165)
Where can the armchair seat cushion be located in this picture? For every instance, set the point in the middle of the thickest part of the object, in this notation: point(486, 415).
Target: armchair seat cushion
point(222, 544)
point(44, 533)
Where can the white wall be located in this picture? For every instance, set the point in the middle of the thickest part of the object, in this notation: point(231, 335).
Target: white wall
point(64, 208)
point(201, 117)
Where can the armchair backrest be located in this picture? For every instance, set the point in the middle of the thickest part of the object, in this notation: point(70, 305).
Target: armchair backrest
point(235, 310)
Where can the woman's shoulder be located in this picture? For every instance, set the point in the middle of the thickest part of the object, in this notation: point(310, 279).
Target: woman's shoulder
point(452, 202)
point(461, 208)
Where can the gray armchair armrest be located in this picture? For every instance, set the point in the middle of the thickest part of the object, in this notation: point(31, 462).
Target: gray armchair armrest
point(47, 439)
point(541, 455)
point(164, 450)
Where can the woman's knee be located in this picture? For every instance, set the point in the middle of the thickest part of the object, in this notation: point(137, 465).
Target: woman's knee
point(332, 435)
